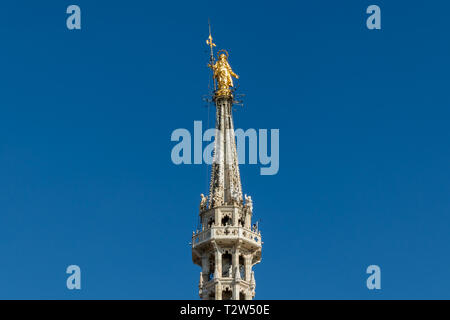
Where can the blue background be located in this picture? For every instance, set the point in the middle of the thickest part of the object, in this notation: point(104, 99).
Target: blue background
point(86, 116)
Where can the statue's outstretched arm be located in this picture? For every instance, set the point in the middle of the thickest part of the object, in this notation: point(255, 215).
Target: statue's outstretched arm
point(231, 71)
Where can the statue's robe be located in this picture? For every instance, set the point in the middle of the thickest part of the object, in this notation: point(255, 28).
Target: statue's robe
point(223, 74)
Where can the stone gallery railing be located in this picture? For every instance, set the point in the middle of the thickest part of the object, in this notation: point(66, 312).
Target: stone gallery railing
point(227, 232)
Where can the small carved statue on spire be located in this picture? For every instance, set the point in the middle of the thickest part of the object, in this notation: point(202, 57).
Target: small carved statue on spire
point(223, 74)
point(248, 203)
point(252, 281)
point(200, 284)
point(203, 202)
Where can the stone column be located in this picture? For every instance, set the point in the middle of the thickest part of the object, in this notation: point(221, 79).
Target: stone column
point(235, 216)
point(236, 289)
point(236, 286)
point(217, 217)
point(218, 264)
point(218, 291)
point(205, 267)
point(235, 260)
point(248, 268)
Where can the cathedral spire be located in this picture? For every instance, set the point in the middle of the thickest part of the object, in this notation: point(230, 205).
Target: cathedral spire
point(225, 185)
point(227, 246)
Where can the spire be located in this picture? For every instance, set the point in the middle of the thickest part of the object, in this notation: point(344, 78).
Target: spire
point(225, 186)
point(226, 248)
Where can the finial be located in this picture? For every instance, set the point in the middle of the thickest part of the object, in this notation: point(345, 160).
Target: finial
point(210, 43)
point(222, 72)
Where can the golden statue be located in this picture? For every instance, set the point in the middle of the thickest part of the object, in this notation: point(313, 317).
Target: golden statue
point(223, 74)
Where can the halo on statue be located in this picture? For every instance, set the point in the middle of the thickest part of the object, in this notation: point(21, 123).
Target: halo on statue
point(222, 50)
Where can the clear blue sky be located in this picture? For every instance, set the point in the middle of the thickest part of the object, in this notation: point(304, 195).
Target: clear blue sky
point(86, 116)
